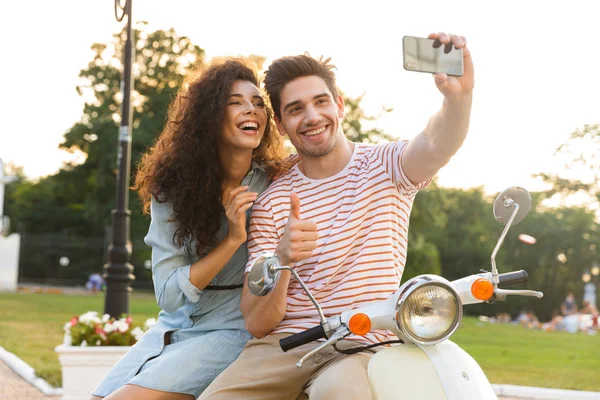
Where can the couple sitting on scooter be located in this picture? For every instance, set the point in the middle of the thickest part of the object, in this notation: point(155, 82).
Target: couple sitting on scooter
point(340, 217)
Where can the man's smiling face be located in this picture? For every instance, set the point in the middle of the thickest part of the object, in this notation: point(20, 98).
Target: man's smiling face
point(310, 116)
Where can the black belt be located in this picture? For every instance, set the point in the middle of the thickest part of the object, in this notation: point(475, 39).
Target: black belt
point(224, 287)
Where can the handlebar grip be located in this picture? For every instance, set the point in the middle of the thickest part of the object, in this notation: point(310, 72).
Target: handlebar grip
point(510, 278)
point(298, 339)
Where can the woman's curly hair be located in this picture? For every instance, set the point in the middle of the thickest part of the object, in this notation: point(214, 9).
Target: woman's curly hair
point(183, 166)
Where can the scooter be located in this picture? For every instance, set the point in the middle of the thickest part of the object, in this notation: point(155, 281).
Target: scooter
point(423, 313)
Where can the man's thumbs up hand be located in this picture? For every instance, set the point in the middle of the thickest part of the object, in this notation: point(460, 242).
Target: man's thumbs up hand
point(300, 237)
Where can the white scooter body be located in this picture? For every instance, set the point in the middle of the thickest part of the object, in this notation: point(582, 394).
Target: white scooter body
point(440, 372)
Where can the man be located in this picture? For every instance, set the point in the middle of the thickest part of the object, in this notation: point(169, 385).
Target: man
point(340, 218)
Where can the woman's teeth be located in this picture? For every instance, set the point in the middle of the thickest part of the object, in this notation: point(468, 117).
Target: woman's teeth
point(248, 125)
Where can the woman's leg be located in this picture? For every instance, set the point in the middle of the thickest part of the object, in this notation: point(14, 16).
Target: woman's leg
point(189, 365)
point(132, 392)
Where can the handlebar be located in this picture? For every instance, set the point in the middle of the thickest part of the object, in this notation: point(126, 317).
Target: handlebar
point(298, 339)
point(511, 278)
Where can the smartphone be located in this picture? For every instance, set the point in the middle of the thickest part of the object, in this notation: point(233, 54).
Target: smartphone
point(420, 55)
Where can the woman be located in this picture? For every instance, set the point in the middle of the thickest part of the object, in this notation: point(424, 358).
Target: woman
point(199, 180)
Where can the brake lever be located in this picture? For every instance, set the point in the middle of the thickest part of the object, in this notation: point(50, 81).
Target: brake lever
point(336, 337)
point(500, 294)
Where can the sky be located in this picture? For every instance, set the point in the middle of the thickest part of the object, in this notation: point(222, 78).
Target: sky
point(537, 69)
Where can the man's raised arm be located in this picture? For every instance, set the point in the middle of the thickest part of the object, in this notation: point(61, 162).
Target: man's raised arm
point(444, 135)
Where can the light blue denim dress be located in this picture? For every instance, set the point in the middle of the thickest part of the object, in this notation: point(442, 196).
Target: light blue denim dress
point(207, 325)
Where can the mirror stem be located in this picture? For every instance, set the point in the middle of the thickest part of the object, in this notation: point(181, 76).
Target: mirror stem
point(508, 202)
point(310, 296)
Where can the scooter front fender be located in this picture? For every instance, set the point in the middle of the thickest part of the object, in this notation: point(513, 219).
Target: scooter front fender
point(440, 372)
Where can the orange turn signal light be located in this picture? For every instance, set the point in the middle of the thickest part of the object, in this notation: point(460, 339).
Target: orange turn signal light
point(359, 324)
point(482, 289)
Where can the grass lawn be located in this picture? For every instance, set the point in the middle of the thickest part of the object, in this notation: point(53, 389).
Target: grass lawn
point(518, 356)
point(31, 326)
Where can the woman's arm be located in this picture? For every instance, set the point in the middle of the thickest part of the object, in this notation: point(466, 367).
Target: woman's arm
point(237, 202)
point(175, 277)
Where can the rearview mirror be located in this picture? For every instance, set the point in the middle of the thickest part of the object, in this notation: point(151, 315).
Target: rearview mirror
point(263, 276)
point(504, 205)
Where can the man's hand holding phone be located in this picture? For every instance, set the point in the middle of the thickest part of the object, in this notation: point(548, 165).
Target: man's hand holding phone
point(454, 86)
point(444, 55)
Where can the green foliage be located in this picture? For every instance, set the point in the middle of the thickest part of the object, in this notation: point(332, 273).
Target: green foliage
point(567, 240)
point(77, 201)
point(582, 151)
point(468, 235)
point(424, 258)
point(163, 59)
point(355, 119)
point(461, 226)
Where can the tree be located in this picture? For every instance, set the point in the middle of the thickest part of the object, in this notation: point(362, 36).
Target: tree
point(355, 118)
point(460, 225)
point(77, 201)
point(423, 255)
point(567, 240)
point(163, 59)
point(582, 151)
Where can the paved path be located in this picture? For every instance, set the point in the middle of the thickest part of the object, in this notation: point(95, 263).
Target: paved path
point(13, 387)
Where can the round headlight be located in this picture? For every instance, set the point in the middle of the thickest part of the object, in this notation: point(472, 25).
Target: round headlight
point(428, 310)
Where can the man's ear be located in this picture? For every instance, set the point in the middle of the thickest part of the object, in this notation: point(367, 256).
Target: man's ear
point(280, 127)
point(341, 106)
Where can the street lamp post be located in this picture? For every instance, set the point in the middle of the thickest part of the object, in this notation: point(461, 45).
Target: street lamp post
point(118, 272)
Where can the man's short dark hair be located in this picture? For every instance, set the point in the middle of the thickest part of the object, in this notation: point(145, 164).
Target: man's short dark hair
point(284, 70)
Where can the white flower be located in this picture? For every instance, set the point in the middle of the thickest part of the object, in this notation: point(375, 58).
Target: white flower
point(121, 325)
point(108, 327)
point(90, 318)
point(84, 344)
point(150, 322)
point(105, 318)
point(67, 327)
point(137, 333)
point(98, 342)
point(67, 339)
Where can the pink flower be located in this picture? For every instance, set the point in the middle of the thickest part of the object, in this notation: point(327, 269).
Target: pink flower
point(100, 332)
point(74, 321)
point(128, 320)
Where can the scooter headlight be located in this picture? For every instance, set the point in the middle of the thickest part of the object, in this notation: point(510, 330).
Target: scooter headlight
point(428, 309)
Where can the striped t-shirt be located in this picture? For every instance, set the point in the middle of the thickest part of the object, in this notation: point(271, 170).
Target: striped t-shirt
point(362, 216)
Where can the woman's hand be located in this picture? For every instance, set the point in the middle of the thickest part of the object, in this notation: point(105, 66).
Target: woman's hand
point(236, 203)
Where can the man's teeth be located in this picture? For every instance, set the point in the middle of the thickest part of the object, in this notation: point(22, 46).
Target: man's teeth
point(315, 132)
point(251, 125)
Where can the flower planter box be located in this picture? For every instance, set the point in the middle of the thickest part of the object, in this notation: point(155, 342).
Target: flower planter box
point(84, 367)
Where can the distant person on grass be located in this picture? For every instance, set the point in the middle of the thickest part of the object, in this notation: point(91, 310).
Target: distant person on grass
point(94, 283)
